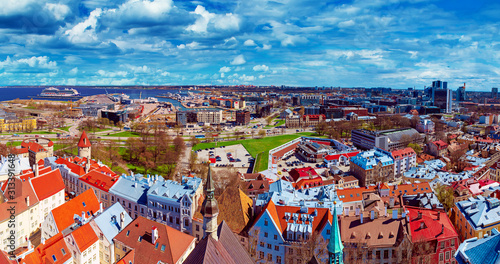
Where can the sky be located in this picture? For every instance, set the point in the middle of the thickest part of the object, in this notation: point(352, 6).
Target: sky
point(359, 43)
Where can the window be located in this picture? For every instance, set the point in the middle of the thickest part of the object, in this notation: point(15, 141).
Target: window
point(269, 257)
point(275, 237)
point(197, 228)
point(269, 246)
point(328, 231)
point(186, 222)
point(262, 244)
point(63, 252)
point(277, 248)
point(386, 254)
point(171, 219)
point(54, 258)
point(157, 244)
point(139, 239)
point(378, 254)
point(261, 254)
point(278, 259)
point(290, 251)
point(440, 256)
point(447, 255)
point(177, 220)
point(128, 232)
point(265, 234)
point(442, 245)
point(162, 247)
point(453, 241)
point(265, 222)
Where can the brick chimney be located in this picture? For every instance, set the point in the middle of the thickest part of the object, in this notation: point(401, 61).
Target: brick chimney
point(439, 216)
point(122, 220)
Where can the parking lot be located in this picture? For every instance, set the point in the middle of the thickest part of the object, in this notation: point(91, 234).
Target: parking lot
point(238, 153)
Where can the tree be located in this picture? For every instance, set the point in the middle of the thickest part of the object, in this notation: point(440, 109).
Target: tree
point(120, 124)
point(262, 133)
point(302, 111)
point(416, 148)
point(444, 193)
point(414, 121)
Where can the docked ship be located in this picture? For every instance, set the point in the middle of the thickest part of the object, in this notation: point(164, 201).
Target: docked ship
point(54, 93)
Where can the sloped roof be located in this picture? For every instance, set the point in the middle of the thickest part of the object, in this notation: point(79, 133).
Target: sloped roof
point(226, 249)
point(48, 184)
point(175, 242)
point(99, 180)
point(432, 226)
point(234, 208)
point(84, 141)
point(403, 153)
point(42, 254)
point(109, 221)
point(480, 251)
point(84, 237)
point(22, 190)
point(86, 202)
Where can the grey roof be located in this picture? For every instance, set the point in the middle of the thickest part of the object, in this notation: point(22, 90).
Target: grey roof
point(174, 191)
point(109, 221)
point(395, 134)
point(133, 188)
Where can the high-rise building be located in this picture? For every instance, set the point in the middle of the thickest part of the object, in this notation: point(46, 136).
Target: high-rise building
point(441, 96)
point(461, 94)
point(494, 92)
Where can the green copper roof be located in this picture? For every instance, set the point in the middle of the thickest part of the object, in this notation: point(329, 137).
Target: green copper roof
point(335, 244)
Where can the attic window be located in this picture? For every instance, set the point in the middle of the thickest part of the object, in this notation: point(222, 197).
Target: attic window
point(83, 204)
point(54, 258)
point(157, 244)
point(128, 232)
point(162, 247)
point(139, 239)
point(63, 252)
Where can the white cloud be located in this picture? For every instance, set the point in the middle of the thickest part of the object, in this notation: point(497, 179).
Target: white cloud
point(193, 45)
point(137, 69)
point(73, 71)
point(225, 69)
point(206, 19)
point(222, 75)
point(15, 7)
point(249, 42)
point(181, 46)
point(110, 74)
point(84, 32)
point(238, 60)
point(246, 78)
point(135, 10)
point(33, 62)
point(348, 23)
point(266, 47)
point(315, 63)
point(262, 67)
point(59, 11)
point(261, 76)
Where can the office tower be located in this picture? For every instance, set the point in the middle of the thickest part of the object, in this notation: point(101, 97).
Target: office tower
point(461, 94)
point(441, 96)
point(494, 92)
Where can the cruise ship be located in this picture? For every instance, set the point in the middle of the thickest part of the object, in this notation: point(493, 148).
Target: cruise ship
point(54, 93)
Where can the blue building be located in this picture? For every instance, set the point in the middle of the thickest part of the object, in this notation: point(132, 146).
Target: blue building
point(173, 203)
point(372, 166)
point(131, 192)
point(480, 251)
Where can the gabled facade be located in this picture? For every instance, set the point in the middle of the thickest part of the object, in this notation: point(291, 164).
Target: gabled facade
point(84, 244)
point(106, 226)
point(80, 209)
point(49, 189)
point(404, 159)
point(279, 233)
point(52, 251)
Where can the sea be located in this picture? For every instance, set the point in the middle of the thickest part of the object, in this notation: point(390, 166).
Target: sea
point(11, 93)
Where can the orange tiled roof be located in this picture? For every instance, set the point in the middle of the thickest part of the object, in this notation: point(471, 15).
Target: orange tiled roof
point(84, 237)
point(42, 254)
point(85, 202)
point(48, 184)
point(403, 153)
point(432, 226)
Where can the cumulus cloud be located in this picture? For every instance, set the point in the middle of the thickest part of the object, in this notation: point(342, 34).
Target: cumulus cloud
point(238, 60)
point(266, 47)
point(225, 69)
point(246, 78)
point(59, 11)
point(207, 20)
point(73, 71)
point(85, 31)
point(249, 42)
point(42, 62)
point(262, 67)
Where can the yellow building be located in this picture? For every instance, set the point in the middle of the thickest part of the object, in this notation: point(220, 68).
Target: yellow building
point(475, 217)
point(18, 124)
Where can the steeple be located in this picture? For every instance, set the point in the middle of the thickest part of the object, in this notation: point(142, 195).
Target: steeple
point(209, 208)
point(335, 247)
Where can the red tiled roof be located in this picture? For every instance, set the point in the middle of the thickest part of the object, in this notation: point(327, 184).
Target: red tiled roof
point(33, 146)
point(75, 168)
point(99, 180)
point(48, 184)
point(308, 183)
point(337, 156)
point(21, 190)
point(44, 252)
point(440, 144)
point(63, 215)
point(302, 172)
point(432, 227)
point(403, 153)
point(84, 237)
point(84, 141)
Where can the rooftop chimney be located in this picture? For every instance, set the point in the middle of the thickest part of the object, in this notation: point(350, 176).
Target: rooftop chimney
point(422, 225)
point(122, 221)
point(87, 167)
point(37, 171)
point(442, 228)
point(27, 201)
point(83, 216)
point(419, 215)
point(101, 207)
point(154, 235)
point(439, 216)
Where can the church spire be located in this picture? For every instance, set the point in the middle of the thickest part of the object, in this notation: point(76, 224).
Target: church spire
point(335, 247)
point(209, 208)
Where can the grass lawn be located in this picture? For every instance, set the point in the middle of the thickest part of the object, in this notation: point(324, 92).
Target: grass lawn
point(66, 128)
point(98, 130)
point(280, 123)
point(124, 134)
point(14, 143)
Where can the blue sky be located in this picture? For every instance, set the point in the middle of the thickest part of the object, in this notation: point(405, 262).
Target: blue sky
point(372, 43)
